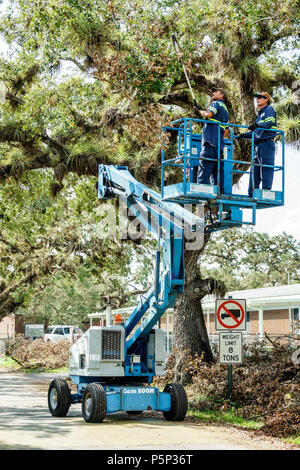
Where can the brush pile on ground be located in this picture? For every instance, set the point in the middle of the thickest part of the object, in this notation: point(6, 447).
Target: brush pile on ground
point(266, 387)
point(38, 354)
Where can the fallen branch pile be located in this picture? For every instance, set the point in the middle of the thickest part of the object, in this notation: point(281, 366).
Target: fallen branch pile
point(38, 354)
point(265, 386)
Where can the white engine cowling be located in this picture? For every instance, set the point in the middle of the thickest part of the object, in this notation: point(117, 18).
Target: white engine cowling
point(99, 352)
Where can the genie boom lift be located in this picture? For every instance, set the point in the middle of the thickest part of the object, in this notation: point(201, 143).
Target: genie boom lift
point(112, 367)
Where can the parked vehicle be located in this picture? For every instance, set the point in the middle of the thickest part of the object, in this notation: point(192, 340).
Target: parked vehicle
point(34, 331)
point(56, 333)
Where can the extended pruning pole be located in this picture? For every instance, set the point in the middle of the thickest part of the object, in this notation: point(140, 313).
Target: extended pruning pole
point(178, 52)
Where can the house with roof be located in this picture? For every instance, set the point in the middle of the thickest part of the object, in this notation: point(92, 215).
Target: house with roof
point(270, 310)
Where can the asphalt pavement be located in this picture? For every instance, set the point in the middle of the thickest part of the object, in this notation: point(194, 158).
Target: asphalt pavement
point(26, 423)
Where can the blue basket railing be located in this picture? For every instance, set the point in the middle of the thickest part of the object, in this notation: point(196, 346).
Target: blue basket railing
point(184, 127)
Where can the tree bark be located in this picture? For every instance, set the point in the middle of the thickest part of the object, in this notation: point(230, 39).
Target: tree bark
point(189, 329)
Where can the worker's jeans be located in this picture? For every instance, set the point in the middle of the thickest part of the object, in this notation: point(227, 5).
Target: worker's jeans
point(208, 169)
point(264, 154)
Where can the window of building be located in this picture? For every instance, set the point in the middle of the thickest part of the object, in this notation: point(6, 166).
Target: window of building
point(247, 323)
point(295, 314)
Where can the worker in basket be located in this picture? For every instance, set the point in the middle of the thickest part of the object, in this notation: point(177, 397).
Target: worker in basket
point(264, 151)
point(217, 112)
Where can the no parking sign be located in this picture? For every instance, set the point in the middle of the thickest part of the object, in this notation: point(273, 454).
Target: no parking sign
point(230, 314)
point(230, 319)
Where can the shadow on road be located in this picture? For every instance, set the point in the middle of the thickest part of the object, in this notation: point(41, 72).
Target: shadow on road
point(4, 446)
point(24, 408)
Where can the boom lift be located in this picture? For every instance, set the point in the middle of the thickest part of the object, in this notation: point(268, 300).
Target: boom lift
point(113, 366)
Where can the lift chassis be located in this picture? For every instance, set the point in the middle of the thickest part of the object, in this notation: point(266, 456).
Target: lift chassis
point(113, 366)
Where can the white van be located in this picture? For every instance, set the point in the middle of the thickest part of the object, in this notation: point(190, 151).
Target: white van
point(56, 333)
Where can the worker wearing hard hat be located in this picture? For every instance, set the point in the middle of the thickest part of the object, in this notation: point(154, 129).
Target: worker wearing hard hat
point(264, 152)
point(216, 112)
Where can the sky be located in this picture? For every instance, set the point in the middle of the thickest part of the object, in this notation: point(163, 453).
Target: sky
point(276, 220)
point(284, 218)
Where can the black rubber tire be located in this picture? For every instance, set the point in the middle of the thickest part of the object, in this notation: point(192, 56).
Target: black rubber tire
point(179, 402)
point(93, 404)
point(60, 393)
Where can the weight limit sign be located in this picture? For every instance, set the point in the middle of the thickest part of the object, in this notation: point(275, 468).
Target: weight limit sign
point(231, 347)
point(230, 314)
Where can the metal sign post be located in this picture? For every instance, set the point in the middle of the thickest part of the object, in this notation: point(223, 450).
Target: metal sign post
point(230, 352)
point(230, 321)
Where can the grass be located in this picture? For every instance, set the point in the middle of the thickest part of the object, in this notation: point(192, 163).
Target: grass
point(225, 417)
point(229, 417)
point(10, 365)
point(220, 416)
point(61, 370)
point(295, 440)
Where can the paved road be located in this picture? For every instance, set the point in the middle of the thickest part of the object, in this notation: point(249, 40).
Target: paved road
point(27, 424)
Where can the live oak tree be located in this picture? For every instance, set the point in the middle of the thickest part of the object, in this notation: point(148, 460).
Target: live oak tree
point(124, 82)
point(245, 259)
point(58, 260)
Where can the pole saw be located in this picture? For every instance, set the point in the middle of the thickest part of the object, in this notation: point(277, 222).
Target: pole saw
point(178, 53)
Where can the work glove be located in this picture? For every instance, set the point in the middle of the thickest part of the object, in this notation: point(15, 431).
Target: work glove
point(196, 108)
point(253, 126)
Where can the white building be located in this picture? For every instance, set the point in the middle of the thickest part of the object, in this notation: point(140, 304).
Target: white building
point(270, 310)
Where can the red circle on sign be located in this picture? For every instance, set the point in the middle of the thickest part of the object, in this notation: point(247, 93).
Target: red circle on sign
point(238, 322)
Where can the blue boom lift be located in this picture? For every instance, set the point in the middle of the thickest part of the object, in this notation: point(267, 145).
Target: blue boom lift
point(113, 366)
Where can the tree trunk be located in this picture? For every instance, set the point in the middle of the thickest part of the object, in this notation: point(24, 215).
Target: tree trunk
point(190, 333)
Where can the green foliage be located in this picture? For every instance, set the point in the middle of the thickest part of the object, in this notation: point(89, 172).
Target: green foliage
point(244, 259)
point(293, 440)
point(291, 127)
point(89, 82)
point(109, 108)
point(76, 268)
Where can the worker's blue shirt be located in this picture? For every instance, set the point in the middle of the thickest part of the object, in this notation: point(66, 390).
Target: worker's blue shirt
point(267, 119)
point(210, 131)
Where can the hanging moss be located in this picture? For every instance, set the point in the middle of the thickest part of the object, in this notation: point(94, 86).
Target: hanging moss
point(18, 163)
point(291, 127)
point(55, 188)
point(82, 164)
point(60, 171)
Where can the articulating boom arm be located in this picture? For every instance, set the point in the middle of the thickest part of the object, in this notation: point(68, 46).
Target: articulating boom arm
point(167, 222)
